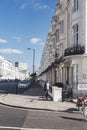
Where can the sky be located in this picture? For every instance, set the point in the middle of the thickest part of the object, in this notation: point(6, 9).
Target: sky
point(25, 24)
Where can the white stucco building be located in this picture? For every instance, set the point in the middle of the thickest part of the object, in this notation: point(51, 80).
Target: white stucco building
point(64, 57)
point(9, 71)
point(23, 70)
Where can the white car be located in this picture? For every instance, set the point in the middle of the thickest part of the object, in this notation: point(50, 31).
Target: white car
point(22, 84)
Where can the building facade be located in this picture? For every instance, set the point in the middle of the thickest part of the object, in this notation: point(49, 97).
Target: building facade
point(23, 70)
point(64, 57)
point(8, 71)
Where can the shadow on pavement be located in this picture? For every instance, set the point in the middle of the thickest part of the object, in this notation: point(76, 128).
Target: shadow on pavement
point(71, 118)
point(70, 110)
point(35, 91)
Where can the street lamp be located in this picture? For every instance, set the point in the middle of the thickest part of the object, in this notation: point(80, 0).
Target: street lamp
point(33, 58)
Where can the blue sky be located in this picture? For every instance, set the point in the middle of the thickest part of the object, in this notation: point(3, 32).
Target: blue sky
point(25, 24)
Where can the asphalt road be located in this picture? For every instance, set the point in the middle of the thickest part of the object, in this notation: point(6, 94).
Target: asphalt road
point(17, 119)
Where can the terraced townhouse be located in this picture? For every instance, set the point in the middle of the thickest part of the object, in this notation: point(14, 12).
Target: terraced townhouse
point(64, 57)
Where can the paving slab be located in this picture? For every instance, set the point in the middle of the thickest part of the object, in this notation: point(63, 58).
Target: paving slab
point(33, 102)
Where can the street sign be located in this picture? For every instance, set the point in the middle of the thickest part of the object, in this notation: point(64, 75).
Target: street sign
point(82, 86)
point(16, 64)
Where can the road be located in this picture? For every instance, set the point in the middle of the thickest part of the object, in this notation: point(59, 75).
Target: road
point(13, 118)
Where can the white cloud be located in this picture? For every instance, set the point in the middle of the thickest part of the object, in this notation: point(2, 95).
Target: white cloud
point(35, 40)
point(39, 6)
point(3, 40)
point(35, 4)
point(10, 51)
point(24, 5)
point(16, 38)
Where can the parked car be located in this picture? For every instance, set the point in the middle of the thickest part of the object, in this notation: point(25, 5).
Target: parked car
point(22, 84)
point(28, 82)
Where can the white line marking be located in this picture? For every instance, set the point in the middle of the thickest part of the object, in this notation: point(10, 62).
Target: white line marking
point(17, 128)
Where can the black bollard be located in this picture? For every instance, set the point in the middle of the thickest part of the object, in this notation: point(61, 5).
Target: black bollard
point(16, 89)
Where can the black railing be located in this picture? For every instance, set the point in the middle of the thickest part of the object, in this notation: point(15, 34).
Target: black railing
point(77, 50)
point(58, 60)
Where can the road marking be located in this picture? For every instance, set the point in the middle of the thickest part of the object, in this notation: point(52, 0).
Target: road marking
point(17, 128)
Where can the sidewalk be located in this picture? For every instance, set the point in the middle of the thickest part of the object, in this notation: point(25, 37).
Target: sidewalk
point(34, 98)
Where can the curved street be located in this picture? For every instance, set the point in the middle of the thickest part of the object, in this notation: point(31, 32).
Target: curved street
point(14, 118)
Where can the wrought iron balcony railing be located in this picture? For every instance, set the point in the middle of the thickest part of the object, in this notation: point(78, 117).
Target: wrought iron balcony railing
point(77, 50)
point(59, 60)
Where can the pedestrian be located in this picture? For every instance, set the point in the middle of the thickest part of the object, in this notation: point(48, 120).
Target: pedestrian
point(85, 109)
point(47, 89)
point(80, 103)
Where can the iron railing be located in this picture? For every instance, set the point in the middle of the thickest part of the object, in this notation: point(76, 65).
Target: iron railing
point(76, 50)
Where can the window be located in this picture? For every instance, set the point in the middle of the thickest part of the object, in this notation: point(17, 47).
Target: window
point(53, 43)
point(61, 27)
point(75, 7)
point(57, 52)
point(75, 73)
point(75, 35)
point(57, 35)
point(68, 19)
point(60, 50)
point(68, 1)
point(50, 48)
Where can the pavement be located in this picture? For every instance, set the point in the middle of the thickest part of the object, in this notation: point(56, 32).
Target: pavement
point(34, 98)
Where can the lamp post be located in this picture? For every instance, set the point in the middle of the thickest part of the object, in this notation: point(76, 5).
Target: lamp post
point(33, 58)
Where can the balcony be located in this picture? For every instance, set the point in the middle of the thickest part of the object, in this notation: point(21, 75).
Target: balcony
point(59, 60)
point(76, 50)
